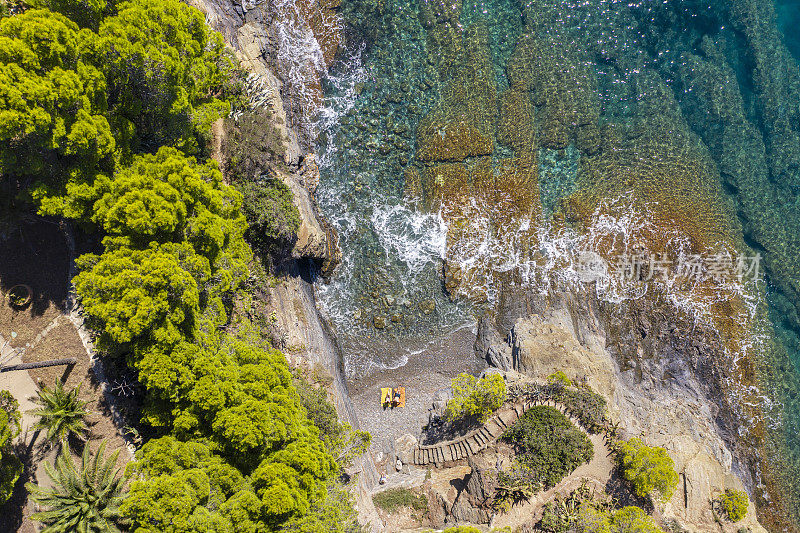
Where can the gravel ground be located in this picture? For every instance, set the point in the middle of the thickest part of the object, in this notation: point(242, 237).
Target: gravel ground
point(426, 372)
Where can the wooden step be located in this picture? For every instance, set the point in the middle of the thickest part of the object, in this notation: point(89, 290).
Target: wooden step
point(494, 428)
point(462, 452)
point(469, 448)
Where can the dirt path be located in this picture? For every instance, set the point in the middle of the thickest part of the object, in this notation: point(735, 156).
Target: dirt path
point(597, 472)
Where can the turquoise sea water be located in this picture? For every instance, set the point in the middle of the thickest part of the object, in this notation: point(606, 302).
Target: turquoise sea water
point(722, 74)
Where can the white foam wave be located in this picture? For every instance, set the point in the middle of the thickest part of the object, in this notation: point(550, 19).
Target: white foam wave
point(417, 239)
point(300, 61)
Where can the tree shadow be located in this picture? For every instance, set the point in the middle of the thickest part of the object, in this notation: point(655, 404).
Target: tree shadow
point(440, 429)
point(622, 495)
point(12, 513)
point(36, 254)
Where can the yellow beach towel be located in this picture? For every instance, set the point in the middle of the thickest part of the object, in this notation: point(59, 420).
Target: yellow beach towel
point(386, 395)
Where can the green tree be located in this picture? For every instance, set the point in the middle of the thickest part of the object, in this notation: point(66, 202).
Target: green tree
point(342, 442)
point(162, 198)
point(253, 146)
point(629, 519)
point(548, 445)
point(474, 398)
point(134, 294)
point(334, 513)
point(52, 100)
point(271, 214)
point(649, 469)
point(183, 486)
point(81, 499)
point(10, 465)
point(86, 13)
point(61, 413)
point(164, 68)
point(734, 504)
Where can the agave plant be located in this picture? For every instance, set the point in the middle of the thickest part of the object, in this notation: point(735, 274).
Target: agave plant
point(84, 499)
point(61, 413)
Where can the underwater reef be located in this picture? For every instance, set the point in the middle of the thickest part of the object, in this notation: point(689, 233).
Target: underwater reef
point(539, 128)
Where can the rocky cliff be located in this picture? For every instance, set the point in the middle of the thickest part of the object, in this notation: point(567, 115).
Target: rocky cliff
point(662, 400)
point(255, 32)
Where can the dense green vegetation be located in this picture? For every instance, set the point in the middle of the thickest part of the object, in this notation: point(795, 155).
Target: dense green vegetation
point(584, 511)
point(254, 152)
point(626, 520)
point(548, 445)
point(582, 403)
point(733, 503)
point(105, 114)
point(650, 470)
point(475, 399)
point(391, 500)
point(81, 498)
point(10, 465)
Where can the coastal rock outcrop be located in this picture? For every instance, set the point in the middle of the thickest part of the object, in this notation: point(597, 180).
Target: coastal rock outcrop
point(658, 400)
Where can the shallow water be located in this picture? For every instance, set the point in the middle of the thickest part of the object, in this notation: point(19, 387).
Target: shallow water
point(641, 110)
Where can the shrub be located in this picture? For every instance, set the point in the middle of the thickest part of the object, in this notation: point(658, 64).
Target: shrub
point(548, 445)
point(734, 504)
point(272, 217)
point(10, 465)
point(592, 519)
point(253, 146)
point(392, 499)
point(514, 487)
point(462, 529)
point(586, 405)
point(649, 469)
point(474, 398)
point(559, 377)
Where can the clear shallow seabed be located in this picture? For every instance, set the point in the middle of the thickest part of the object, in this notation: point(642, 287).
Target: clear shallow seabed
point(700, 97)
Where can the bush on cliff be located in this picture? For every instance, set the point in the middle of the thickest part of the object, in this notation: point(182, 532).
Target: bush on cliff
point(733, 504)
point(650, 470)
point(253, 147)
point(475, 399)
point(593, 519)
point(272, 217)
point(548, 445)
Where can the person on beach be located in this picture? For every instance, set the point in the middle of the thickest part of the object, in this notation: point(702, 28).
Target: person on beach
point(396, 398)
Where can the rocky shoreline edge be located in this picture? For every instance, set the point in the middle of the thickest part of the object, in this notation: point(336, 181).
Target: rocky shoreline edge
point(531, 338)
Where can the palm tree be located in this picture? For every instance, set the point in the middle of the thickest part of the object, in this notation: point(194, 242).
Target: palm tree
point(61, 412)
point(83, 500)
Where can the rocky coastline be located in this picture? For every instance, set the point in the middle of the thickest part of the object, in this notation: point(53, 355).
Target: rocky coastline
point(674, 400)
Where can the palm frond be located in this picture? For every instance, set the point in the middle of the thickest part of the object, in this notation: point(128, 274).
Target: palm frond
point(61, 413)
point(83, 497)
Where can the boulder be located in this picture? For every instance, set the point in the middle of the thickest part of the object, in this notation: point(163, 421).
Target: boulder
point(404, 447)
point(473, 502)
